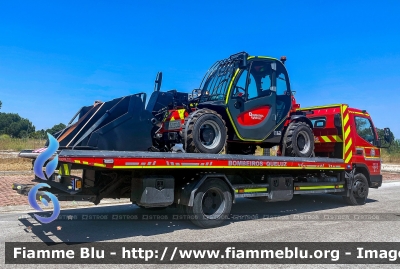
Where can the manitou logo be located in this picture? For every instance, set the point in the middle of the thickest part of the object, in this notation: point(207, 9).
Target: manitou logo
point(256, 116)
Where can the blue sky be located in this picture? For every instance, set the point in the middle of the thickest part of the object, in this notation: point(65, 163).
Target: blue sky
point(57, 56)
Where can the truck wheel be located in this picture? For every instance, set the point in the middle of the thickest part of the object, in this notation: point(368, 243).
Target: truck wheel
point(359, 191)
point(206, 132)
point(212, 204)
point(236, 148)
point(299, 140)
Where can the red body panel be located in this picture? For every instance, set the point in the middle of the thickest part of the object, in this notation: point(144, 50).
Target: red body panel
point(254, 116)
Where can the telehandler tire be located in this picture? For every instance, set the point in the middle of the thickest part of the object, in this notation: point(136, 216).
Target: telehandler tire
point(204, 132)
point(299, 140)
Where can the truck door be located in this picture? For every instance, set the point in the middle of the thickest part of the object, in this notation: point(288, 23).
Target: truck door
point(366, 150)
point(252, 100)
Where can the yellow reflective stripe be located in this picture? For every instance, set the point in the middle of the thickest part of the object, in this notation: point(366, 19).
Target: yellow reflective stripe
point(317, 187)
point(253, 190)
point(172, 118)
point(346, 119)
point(66, 170)
point(230, 86)
point(85, 162)
point(342, 107)
point(338, 139)
point(348, 145)
point(181, 113)
point(260, 57)
point(360, 113)
point(346, 134)
point(77, 161)
point(234, 127)
point(325, 138)
point(316, 107)
point(349, 157)
point(99, 164)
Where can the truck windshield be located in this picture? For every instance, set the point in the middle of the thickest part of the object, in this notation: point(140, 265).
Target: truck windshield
point(216, 81)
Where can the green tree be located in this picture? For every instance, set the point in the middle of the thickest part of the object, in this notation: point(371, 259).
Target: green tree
point(0, 104)
point(56, 128)
point(39, 134)
point(15, 126)
point(394, 147)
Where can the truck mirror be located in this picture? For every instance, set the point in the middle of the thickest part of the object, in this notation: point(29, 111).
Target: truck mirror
point(386, 135)
point(338, 121)
point(378, 143)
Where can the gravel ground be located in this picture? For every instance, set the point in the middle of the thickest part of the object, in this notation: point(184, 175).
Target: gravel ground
point(391, 167)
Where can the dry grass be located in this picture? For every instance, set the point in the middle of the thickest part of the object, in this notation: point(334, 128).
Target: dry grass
point(15, 164)
point(390, 158)
point(18, 144)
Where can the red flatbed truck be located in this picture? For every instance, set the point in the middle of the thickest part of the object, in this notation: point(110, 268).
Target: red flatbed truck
point(347, 162)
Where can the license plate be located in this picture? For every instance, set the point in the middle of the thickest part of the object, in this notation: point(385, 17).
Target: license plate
point(172, 125)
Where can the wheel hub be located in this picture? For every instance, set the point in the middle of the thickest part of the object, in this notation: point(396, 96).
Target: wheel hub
point(360, 189)
point(210, 134)
point(212, 203)
point(303, 142)
point(207, 134)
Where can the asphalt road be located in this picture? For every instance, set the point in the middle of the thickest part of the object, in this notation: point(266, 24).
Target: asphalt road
point(310, 220)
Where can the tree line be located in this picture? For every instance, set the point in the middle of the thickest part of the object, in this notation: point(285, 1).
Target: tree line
point(14, 126)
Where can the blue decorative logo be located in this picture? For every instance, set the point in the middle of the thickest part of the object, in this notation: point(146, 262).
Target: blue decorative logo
point(50, 168)
point(34, 204)
point(44, 156)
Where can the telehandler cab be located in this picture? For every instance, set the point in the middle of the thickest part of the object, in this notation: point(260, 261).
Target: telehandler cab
point(245, 101)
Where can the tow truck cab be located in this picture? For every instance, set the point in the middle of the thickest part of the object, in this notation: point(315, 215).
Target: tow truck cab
point(349, 134)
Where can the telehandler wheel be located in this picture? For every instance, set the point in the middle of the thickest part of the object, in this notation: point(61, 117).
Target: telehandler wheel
point(206, 132)
point(359, 191)
point(299, 140)
point(236, 148)
point(212, 204)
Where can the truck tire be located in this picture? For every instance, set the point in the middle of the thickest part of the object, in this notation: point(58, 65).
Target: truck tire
point(299, 140)
point(212, 204)
point(205, 132)
point(244, 149)
point(359, 191)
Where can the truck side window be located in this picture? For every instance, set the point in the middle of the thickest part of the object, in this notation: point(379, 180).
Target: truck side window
point(364, 129)
point(318, 122)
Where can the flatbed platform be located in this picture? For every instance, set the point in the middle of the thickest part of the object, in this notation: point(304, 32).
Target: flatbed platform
point(153, 160)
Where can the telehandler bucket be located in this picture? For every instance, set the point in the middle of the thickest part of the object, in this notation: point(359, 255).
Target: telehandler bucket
point(119, 124)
